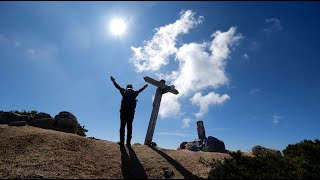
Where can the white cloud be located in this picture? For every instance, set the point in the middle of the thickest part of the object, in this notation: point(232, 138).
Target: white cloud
point(205, 101)
point(9, 41)
point(186, 122)
point(174, 134)
point(276, 119)
point(170, 106)
point(156, 52)
point(200, 69)
point(218, 129)
point(201, 65)
point(31, 52)
point(245, 56)
point(44, 55)
point(273, 24)
point(254, 46)
point(254, 91)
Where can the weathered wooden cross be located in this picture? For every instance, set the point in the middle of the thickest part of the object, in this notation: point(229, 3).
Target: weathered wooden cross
point(162, 89)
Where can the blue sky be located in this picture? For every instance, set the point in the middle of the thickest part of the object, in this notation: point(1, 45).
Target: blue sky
point(249, 70)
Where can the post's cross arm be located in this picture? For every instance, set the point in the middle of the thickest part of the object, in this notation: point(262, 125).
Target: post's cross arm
point(161, 84)
point(171, 89)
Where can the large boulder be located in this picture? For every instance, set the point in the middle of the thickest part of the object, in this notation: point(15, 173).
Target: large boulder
point(183, 145)
point(45, 123)
point(193, 146)
point(42, 116)
point(214, 145)
point(9, 117)
point(66, 122)
point(262, 151)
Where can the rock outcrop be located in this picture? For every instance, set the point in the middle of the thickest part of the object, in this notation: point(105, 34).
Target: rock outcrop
point(214, 145)
point(66, 122)
point(9, 117)
point(45, 123)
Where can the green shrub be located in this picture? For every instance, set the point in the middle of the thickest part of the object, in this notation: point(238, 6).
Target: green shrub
point(82, 131)
point(31, 113)
point(299, 161)
point(309, 153)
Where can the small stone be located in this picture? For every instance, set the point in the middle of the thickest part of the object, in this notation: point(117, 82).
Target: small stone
point(168, 172)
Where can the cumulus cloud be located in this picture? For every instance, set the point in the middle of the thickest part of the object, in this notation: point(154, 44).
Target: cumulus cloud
point(201, 65)
point(205, 101)
point(170, 106)
point(186, 122)
point(276, 119)
point(156, 52)
point(198, 68)
point(273, 24)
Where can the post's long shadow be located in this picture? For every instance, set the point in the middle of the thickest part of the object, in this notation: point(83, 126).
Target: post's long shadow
point(130, 165)
point(185, 173)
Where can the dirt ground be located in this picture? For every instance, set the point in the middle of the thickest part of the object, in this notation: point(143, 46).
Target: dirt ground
point(30, 152)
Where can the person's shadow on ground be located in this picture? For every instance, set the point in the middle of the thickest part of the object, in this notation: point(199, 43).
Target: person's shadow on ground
point(184, 172)
point(130, 165)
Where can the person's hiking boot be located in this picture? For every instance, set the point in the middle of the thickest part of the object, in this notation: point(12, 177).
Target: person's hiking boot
point(121, 143)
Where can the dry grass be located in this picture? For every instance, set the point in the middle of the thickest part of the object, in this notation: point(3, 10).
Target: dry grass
point(30, 152)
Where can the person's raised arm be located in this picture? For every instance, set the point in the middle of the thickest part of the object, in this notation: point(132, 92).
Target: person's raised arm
point(140, 90)
point(116, 84)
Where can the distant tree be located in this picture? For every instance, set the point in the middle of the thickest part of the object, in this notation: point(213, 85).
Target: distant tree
point(82, 131)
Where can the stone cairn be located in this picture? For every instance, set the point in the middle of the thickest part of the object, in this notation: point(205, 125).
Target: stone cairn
point(203, 143)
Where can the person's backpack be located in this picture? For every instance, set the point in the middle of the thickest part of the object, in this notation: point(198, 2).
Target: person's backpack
point(129, 101)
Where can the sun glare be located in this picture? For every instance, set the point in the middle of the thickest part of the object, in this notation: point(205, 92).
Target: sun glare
point(117, 26)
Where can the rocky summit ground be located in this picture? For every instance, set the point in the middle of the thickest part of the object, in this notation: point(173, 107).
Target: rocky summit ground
point(31, 152)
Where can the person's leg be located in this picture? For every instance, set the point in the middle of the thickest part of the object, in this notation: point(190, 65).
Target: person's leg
point(122, 128)
point(129, 127)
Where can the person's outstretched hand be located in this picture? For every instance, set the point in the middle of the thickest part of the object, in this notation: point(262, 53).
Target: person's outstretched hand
point(112, 79)
point(145, 86)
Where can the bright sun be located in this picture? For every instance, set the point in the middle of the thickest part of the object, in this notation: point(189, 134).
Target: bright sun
point(117, 26)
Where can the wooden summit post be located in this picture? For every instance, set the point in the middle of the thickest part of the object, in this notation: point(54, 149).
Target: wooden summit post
point(162, 89)
point(201, 131)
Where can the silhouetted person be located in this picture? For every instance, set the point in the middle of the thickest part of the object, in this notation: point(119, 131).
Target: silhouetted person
point(127, 110)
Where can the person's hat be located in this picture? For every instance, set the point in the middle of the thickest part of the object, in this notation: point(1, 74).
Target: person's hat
point(129, 86)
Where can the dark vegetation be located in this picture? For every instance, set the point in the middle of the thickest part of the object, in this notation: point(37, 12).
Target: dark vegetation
point(298, 161)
